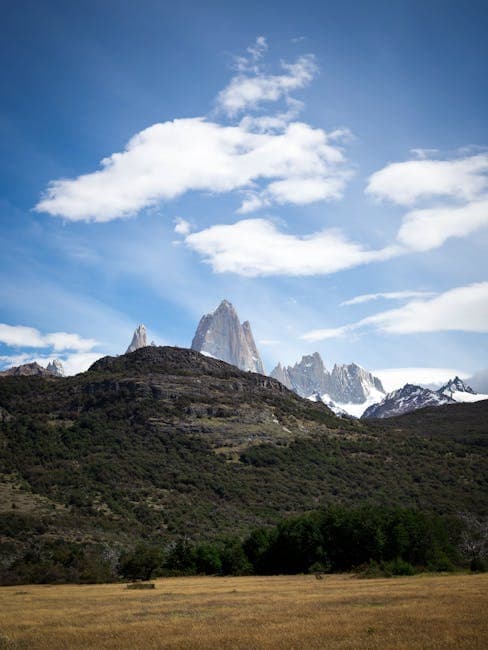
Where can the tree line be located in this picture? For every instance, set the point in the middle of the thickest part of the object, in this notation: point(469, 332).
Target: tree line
point(371, 541)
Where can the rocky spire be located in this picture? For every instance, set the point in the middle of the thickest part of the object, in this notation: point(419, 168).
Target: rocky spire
point(55, 367)
point(221, 335)
point(345, 384)
point(139, 340)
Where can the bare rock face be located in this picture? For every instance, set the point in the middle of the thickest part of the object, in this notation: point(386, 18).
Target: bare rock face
point(282, 375)
point(55, 367)
point(221, 335)
point(346, 384)
point(350, 383)
point(139, 340)
point(306, 377)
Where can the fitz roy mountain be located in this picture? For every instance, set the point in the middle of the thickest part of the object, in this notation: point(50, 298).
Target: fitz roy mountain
point(221, 335)
point(347, 384)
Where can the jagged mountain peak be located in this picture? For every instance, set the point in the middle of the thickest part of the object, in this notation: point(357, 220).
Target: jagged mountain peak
point(139, 339)
point(409, 397)
point(456, 385)
point(55, 367)
point(344, 384)
point(220, 334)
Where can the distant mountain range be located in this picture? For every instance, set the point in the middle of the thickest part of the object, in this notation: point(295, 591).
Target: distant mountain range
point(33, 369)
point(347, 389)
point(410, 398)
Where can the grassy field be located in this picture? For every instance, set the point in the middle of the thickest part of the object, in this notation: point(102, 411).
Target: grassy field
point(251, 612)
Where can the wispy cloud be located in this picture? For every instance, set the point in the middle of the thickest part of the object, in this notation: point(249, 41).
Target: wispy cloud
point(252, 86)
point(388, 295)
point(460, 309)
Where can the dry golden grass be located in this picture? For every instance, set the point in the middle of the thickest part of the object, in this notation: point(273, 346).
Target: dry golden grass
point(251, 612)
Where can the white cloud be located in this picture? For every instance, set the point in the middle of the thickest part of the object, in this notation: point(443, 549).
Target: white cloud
point(79, 362)
point(29, 337)
point(256, 52)
point(254, 247)
point(389, 295)
point(252, 86)
point(182, 227)
point(407, 182)
point(393, 378)
point(460, 309)
point(20, 336)
point(429, 228)
point(166, 160)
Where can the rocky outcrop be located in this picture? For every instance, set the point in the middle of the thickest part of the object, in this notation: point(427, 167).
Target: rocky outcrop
point(221, 335)
point(406, 399)
point(139, 340)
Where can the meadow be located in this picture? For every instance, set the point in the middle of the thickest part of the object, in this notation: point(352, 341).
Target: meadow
point(339, 611)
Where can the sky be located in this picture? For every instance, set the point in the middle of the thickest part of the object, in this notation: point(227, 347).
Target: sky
point(322, 165)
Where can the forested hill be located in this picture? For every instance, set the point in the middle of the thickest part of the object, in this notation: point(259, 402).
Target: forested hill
point(164, 442)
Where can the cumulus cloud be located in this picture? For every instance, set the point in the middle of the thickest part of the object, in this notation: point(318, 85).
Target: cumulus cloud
point(428, 228)
point(255, 247)
point(460, 309)
point(29, 337)
point(300, 165)
point(389, 295)
point(407, 182)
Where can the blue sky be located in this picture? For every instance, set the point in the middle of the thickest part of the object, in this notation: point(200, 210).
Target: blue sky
point(307, 154)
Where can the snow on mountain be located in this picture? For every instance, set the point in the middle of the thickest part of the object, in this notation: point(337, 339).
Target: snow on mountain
point(347, 387)
point(55, 367)
point(457, 390)
point(406, 399)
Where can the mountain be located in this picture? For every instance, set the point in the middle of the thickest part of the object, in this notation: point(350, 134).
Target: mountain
point(55, 367)
point(342, 388)
point(350, 383)
point(139, 339)
point(166, 444)
point(457, 390)
point(221, 335)
point(406, 399)
point(306, 377)
point(28, 370)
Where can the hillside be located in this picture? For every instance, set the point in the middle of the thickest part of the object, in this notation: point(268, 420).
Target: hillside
point(164, 442)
